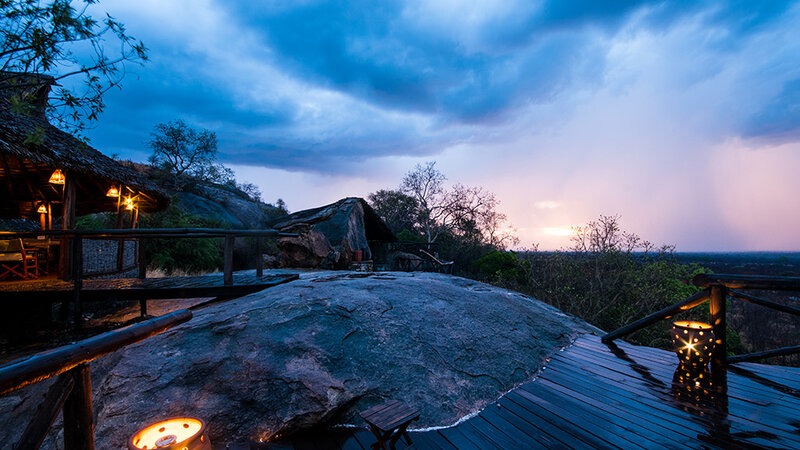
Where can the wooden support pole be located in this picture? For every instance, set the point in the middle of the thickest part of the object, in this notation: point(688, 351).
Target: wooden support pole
point(67, 223)
point(227, 263)
point(665, 313)
point(37, 429)
point(259, 258)
point(78, 418)
point(76, 262)
point(717, 309)
point(142, 259)
point(143, 307)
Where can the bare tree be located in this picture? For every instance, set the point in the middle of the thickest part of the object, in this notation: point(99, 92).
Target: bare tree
point(469, 212)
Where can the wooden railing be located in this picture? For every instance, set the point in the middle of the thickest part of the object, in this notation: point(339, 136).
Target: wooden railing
point(71, 393)
point(427, 252)
point(717, 289)
point(74, 240)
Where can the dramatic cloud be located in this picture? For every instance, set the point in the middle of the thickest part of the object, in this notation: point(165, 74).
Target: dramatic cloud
point(565, 109)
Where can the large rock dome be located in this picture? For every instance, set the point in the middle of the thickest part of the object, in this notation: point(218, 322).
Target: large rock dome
point(320, 349)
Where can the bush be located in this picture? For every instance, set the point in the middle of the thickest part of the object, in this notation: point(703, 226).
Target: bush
point(191, 255)
point(504, 269)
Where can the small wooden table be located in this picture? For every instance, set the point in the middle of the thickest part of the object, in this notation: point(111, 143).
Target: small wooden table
point(388, 421)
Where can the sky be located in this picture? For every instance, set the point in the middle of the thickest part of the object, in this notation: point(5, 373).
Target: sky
point(683, 118)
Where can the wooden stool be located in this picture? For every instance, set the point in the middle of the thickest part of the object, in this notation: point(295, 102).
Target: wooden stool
point(389, 421)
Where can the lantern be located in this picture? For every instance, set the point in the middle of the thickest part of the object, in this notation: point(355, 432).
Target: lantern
point(129, 205)
point(172, 434)
point(112, 192)
point(57, 177)
point(42, 209)
point(693, 342)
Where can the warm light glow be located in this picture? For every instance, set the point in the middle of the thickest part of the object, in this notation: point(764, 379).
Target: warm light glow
point(169, 432)
point(129, 205)
point(694, 325)
point(112, 192)
point(693, 342)
point(58, 177)
point(42, 209)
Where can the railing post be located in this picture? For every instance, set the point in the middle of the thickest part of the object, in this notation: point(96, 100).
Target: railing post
point(76, 263)
point(227, 267)
point(78, 419)
point(259, 258)
point(717, 307)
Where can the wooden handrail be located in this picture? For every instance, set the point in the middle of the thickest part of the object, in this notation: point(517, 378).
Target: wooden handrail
point(148, 233)
point(40, 366)
point(689, 303)
point(764, 302)
point(765, 354)
point(769, 283)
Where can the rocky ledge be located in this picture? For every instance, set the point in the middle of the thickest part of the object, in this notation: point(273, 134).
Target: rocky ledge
point(318, 350)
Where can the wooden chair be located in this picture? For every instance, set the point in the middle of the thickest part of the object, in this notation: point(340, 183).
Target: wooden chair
point(15, 261)
point(388, 422)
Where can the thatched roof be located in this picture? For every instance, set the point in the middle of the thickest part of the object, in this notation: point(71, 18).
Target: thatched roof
point(31, 149)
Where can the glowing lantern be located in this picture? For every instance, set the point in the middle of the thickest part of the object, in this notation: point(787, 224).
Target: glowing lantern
point(42, 209)
point(693, 342)
point(175, 433)
point(129, 205)
point(112, 192)
point(58, 177)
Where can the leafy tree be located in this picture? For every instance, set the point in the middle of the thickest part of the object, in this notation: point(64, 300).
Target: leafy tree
point(181, 152)
point(39, 38)
point(397, 209)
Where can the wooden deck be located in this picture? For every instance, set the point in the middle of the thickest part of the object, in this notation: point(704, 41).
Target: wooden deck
point(594, 396)
point(136, 289)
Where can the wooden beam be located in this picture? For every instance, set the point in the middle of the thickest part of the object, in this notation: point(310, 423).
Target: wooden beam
point(227, 264)
point(748, 281)
point(665, 313)
point(41, 366)
point(764, 302)
point(259, 258)
point(765, 354)
point(78, 418)
point(37, 428)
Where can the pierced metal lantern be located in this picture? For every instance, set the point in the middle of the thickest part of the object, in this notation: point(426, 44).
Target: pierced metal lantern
point(693, 342)
point(177, 433)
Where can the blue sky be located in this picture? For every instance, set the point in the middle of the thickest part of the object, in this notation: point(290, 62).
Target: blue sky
point(682, 117)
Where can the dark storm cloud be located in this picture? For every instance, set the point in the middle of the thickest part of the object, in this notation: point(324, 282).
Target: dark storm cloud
point(779, 120)
point(410, 81)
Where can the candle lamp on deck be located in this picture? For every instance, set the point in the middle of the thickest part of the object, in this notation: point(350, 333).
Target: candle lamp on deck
point(175, 433)
point(693, 342)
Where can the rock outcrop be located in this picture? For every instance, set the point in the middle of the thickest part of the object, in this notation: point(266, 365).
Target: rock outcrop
point(348, 225)
point(317, 350)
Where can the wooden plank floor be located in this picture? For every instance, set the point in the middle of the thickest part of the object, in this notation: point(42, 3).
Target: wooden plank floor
point(594, 396)
point(149, 288)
